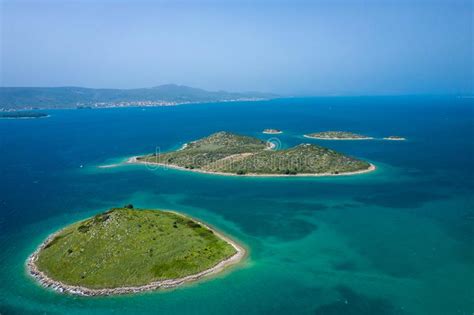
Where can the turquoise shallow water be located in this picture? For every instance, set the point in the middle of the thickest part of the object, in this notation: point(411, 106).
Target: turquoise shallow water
point(396, 241)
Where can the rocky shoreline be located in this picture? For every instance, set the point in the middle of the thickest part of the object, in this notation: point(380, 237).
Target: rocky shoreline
point(272, 131)
point(60, 287)
point(134, 160)
point(333, 138)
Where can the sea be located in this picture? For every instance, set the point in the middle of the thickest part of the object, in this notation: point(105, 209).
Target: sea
point(399, 240)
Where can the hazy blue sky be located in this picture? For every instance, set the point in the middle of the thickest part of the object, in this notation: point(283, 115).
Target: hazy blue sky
point(291, 47)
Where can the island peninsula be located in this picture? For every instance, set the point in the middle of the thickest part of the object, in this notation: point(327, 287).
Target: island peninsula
point(21, 115)
point(225, 153)
point(337, 135)
point(395, 138)
point(126, 250)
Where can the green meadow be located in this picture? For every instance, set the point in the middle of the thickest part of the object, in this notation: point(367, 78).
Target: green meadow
point(131, 247)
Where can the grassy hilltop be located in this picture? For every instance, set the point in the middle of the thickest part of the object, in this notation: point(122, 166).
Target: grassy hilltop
point(203, 152)
point(234, 154)
point(129, 247)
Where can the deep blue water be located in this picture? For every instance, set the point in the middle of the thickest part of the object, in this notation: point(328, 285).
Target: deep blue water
point(399, 240)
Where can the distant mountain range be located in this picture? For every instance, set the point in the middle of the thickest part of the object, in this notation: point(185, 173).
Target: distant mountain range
point(16, 98)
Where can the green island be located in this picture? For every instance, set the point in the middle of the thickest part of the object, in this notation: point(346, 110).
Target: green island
point(22, 115)
point(225, 153)
point(272, 131)
point(126, 250)
point(395, 138)
point(337, 135)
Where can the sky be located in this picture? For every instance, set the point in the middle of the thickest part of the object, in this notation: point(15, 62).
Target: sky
point(351, 47)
